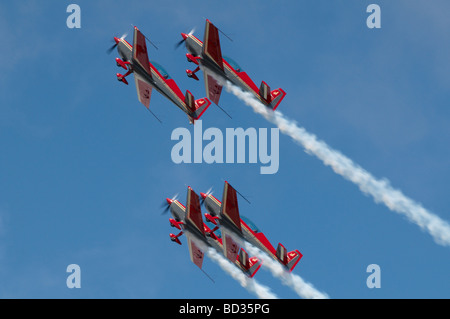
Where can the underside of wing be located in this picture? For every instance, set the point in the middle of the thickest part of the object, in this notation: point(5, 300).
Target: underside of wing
point(144, 90)
point(212, 87)
point(195, 252)
point(230, 245)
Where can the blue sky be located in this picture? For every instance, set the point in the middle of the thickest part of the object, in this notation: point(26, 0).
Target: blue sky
point(84, 167)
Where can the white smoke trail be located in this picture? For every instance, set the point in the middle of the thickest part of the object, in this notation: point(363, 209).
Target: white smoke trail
point(302, 288)
point(250, 284)
point(380, 190)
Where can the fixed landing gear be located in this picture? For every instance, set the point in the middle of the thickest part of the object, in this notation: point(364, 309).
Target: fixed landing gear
point(191, 74)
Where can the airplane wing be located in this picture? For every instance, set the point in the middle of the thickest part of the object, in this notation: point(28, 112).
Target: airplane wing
point(230, 209)
point(212, 50)
point(231, 224)
point(144, 90)
point(195, 233)
point(140, 55)
point(195, 252)
point(231, 244)
point(212, 87)
point(140, 59)
point(194, 213)
point(211, 44)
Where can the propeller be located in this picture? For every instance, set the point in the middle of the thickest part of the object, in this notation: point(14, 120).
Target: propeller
point(184, 35)
point(204, 195)
point(117, 40)
point(166, 204)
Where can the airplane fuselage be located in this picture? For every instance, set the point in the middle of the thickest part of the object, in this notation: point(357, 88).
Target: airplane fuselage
point(195, 47)
point(156, 80)
point(178, 212)
point(213, 206)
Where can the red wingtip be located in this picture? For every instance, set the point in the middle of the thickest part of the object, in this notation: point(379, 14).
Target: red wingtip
point(184, 35)
point(170, 201)
point(203, 195)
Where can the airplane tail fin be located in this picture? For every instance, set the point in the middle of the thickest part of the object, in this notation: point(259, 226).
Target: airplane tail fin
point(289, 259)
point(249, 265)
point(196, 107)
point(272, 98)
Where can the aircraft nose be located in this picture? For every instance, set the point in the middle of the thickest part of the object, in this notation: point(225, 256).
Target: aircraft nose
point(184, 35)
point(116, 39)
point(203, 195)
point(169, 201)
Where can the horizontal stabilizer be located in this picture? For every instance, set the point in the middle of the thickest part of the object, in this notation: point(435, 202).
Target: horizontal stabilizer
point(289, 259)
point(276, 97)
point(196, 108)
point(250, 265)
point(293, 258)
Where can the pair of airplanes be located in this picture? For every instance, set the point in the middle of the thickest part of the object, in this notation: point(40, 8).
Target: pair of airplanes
point(234, 231)
point(206, 55)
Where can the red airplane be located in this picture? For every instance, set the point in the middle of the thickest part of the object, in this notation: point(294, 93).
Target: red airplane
point(148, 75)
point(235, 229)
point(208, 56)
point(189, 221)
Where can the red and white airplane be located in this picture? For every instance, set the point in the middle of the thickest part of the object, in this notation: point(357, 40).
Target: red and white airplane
point(207, 55)
point(199, 236)
point(235, 228)
point(148, 75)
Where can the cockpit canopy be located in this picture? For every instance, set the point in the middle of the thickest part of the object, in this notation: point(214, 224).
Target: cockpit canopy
point(161, 70)
point(233, 63)
point(250, 224)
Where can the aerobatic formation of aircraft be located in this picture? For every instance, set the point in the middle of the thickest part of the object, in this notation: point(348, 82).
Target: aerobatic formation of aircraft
point(229, 234)
point(235, 229)
point(207, 55)
point(149, 75)
point(188, 219)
